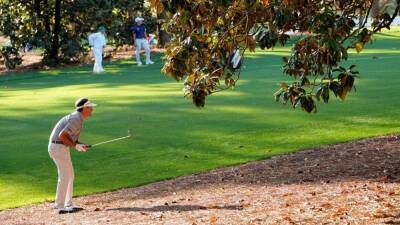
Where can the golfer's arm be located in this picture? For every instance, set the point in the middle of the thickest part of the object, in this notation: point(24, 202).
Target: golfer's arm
point(66, 139)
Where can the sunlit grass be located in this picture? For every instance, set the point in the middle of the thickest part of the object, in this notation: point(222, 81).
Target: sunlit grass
point(171, 137)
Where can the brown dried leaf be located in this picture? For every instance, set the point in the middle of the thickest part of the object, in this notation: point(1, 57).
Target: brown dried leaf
point(289, 219)
point(388, 205)
point(326, 205)
point(340, 211)
point(245, 205)
point(380, 213)
point(213, 220)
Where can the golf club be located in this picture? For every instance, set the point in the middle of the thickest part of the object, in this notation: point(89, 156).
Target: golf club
point(112, 140)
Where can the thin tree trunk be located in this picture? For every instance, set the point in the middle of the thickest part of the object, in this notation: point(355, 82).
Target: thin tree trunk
point(163, 36)
point(37, 11)
point(55, 45)
point(47, 16)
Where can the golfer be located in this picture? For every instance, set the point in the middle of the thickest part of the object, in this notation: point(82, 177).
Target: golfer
point(139, 38)
point(64, 136)
point(98, 42)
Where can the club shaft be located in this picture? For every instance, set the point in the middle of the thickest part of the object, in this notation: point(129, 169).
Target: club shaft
point(116, 139)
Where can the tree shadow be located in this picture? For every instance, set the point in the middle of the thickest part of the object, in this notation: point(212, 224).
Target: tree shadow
point(180, 208)
point(374, 159)
point(395, 220)
point(388, 35)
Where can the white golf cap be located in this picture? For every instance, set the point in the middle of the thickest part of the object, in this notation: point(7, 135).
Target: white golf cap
point(138, 19)
point(84, 102)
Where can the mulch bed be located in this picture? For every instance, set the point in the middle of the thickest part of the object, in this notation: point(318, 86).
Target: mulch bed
point(347, 183)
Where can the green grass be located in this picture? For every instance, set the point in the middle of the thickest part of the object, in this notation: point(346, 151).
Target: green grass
point(171, 137)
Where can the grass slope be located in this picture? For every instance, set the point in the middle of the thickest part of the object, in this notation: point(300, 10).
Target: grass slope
point(171, 137)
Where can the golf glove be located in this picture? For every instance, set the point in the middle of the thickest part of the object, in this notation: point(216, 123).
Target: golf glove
point(81, 147)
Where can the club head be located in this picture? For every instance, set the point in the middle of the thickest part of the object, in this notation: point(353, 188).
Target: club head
point(129, 133)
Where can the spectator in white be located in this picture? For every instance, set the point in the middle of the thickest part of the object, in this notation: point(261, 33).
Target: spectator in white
point(139, 37)
point(98, 42)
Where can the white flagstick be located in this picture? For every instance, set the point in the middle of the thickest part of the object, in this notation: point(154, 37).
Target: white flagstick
point(116, 139)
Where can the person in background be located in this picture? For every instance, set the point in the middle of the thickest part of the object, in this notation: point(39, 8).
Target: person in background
point(98, 42)
point(139, 38)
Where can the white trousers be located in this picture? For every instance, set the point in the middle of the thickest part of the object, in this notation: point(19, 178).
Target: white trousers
point(62, 158)
point(98, 59)
point(142, 43)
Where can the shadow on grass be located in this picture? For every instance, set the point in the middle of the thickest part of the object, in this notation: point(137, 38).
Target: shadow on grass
point(125, 72)
point(117, 72)
point(387, 35)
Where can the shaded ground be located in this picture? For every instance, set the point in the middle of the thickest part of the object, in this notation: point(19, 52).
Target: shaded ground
point(32, 60)
point(348, 183)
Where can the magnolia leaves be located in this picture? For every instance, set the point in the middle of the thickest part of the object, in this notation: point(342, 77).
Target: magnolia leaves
point(196, 87)
point(317, 58)
point(303, 94)
point(207, 33)
point(297, 97)
point(207, 46)
point(269, 38)
point(201, 83)
point(345, 81)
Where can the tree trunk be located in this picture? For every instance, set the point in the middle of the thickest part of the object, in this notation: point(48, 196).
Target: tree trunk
point(55, 44)
point(47, 16)
point(163, 36)
point(37, 11)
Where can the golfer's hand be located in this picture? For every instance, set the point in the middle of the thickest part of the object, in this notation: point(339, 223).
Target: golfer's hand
point(82, 147)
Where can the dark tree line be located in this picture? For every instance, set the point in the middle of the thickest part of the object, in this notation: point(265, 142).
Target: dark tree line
point(61, 27)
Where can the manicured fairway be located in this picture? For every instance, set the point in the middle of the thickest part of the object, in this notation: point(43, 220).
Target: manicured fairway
point(171, 137)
